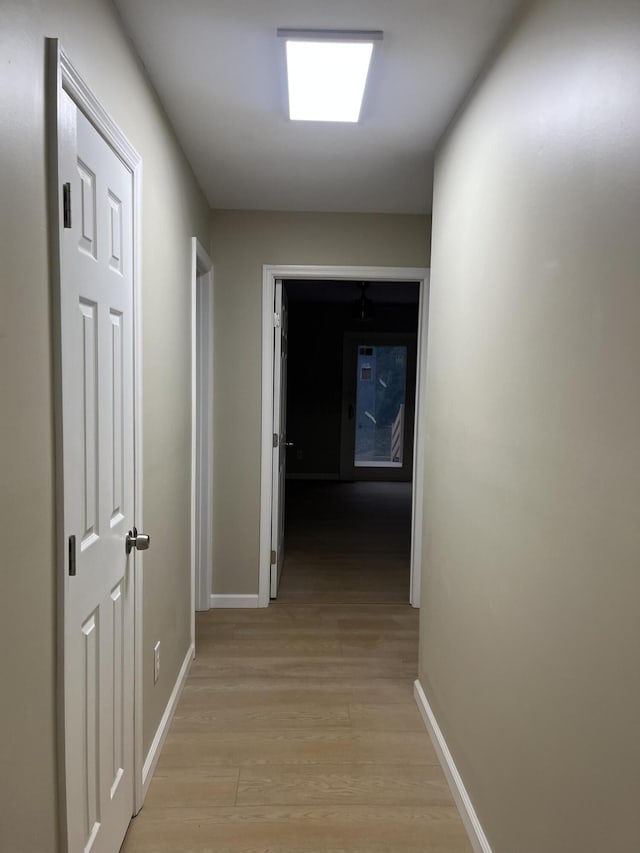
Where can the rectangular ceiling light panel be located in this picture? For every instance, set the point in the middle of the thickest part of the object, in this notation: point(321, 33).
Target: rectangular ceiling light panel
point(327, 73)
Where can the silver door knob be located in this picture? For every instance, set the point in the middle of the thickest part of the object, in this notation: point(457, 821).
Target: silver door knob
point(139, 541)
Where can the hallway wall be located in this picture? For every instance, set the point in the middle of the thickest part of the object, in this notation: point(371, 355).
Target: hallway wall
point(242, 242)
point(530, 636)
point(173, 210)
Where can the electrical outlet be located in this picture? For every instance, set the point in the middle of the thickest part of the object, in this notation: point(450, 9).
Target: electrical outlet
point(156, 662)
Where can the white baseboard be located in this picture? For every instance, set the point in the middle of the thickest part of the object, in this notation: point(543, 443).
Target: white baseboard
point(234, 601)
point(156, 747)
point(463, 802)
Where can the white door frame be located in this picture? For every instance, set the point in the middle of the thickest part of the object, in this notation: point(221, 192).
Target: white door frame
point(201, 429)
point(338, 273)
point(62, 76)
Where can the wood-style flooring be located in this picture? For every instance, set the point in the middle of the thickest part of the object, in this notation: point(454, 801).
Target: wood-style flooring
point(297, 731)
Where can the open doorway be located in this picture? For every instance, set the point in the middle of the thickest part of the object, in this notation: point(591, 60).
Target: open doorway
point(336, 323)
point(350, 419)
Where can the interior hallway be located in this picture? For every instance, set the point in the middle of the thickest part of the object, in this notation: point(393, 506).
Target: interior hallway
point(297, 729)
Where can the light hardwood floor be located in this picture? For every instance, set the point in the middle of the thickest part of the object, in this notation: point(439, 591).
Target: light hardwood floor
point(347, 542)
point(297, 731)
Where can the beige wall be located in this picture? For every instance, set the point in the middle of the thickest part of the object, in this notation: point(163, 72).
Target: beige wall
point(173, 210)
point(530, 628)
point(242, 242)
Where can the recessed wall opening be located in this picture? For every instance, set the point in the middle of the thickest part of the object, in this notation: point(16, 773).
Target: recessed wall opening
point(350, 409)
point(277, 446)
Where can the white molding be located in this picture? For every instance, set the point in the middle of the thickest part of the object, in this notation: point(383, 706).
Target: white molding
point(266, 441)
point(63, 76)
point(138, 493)
point(419, 429)
point(163, 729)
point(234, 601)
point(79, 92)
point(468, 814)
point(337, 273)
point(54, 88)
point(201, 271)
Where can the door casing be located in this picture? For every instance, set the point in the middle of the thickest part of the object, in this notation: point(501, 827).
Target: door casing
point(201, 429)
point(62, 76)
point(347, 274)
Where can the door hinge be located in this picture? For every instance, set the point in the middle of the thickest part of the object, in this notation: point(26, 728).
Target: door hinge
point(66, 205)
point(275, 439)
point(72, 556)
point(274, 558)
point(276, 321)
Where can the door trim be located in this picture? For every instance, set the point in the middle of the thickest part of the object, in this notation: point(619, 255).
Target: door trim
point(201, 421)
point(339, 273)
point(279, 452)
point(63, 76)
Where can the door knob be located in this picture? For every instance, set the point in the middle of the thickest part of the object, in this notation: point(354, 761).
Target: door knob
point(139, 541)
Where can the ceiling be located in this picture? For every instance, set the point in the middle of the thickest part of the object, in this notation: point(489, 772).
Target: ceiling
point(218, 68)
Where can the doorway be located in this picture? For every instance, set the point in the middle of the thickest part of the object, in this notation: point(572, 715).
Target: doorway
point(201, 428)
point(94, 191)
point(351, 394)
point(270, 504)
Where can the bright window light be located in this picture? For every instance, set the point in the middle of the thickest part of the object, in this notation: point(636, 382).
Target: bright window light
point(327, 76)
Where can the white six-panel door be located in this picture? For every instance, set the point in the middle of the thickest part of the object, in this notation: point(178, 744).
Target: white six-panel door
point(97, 363)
